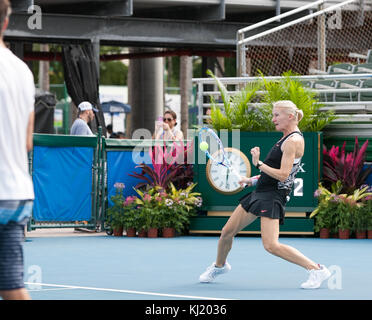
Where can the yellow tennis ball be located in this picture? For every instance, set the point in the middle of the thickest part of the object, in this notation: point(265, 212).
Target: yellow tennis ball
point(203, 146)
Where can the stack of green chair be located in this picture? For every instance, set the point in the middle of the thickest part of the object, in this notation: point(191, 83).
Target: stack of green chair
point(363, 68)
point(325, 84)
point(347, 96)
point(341, 68)
point(369, 56)
point(307, 83)
point(366, 96)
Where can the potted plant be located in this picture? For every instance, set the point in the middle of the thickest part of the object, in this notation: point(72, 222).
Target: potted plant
point(115, 214)
point(325, 213)
point(360, 222)
point(368, 211)
point(345, 167)
point(324, 221)
point(130, 216)
point(167, 164)
point(344, 220)
point(180, 204)
point(150, 212)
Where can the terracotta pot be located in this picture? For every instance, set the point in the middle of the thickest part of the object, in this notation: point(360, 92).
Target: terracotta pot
point(360, 234)
point(152, 233)
point(369, 234)
point(324, 233)
point(169, 232)
point(131, 232)
point(118, 232)
point(142, 234)
point(343, 234)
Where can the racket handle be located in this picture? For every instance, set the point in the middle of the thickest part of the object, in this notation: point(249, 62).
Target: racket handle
point(238, 175)
point(254, 179)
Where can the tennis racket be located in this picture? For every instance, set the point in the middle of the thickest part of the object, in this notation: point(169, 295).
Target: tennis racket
point(216, 152)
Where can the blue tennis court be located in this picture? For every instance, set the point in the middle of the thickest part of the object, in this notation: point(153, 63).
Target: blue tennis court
point(121, 268)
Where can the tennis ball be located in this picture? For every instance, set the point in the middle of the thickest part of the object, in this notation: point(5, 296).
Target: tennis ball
point(203, 146)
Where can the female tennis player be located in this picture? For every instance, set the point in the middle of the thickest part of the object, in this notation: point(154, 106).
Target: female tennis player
point(277, 176)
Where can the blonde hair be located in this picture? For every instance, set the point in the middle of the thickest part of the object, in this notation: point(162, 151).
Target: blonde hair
point(290, 107)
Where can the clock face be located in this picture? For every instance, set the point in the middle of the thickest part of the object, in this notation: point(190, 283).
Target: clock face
point(221, 178)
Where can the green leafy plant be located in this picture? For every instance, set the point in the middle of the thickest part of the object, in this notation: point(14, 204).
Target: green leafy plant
point(130, 212)
point(115, 214)
point(341, 211)
point(326, 210)
point(367, 211)
point(160, 209)
point(242, 111)
point(289, 88)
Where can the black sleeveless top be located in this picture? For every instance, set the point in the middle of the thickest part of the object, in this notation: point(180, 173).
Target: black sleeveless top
point(273, 159)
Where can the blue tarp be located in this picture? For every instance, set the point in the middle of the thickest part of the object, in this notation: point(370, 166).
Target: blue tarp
point(63, 183)
point(119, 164)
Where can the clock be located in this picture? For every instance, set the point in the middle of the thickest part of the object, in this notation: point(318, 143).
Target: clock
point(220, 178)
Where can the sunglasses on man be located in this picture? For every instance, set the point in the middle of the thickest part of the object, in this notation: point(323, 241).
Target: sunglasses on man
point(167, 119)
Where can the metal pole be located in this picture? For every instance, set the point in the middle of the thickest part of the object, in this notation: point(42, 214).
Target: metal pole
point(240, 55)
point(322, 64)
point(277, 9)
point(200, 103)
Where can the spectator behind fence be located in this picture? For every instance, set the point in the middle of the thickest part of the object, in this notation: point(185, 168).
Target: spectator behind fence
point(109, 130)
point(85, 115)
point(17, 99)
point(167, 130)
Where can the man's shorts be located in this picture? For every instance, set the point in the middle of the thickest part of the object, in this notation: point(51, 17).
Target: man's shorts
point(11, 242)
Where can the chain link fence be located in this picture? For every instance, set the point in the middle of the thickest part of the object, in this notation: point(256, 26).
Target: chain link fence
point(343, 35)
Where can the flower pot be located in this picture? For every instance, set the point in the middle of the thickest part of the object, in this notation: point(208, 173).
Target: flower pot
point(169, 232)
point(152, 233)
point(131, 232)
point(142, 233)
point(324, 233)
point(343, 234)
point(118, 232)
point(360, 234)
point(369, 234)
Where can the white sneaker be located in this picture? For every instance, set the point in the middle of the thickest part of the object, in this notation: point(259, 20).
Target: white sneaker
point(212, 272)
point(316, 278)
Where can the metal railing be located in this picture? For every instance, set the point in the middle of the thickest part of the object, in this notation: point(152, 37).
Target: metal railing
point(350, 110)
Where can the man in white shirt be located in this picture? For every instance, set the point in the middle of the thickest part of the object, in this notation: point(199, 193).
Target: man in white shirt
point(17, 98)
point(86, 114)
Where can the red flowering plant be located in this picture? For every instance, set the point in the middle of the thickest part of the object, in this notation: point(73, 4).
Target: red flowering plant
point(345, 167)
point(168, 165)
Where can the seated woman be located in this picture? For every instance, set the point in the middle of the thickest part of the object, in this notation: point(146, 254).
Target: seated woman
point(168, 130)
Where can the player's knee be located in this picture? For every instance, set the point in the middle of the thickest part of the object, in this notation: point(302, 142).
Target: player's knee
point(226, 233)
point(271, 247)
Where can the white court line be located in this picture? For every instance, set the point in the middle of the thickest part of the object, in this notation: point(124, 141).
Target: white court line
point(42, 290)
point(126, 291)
